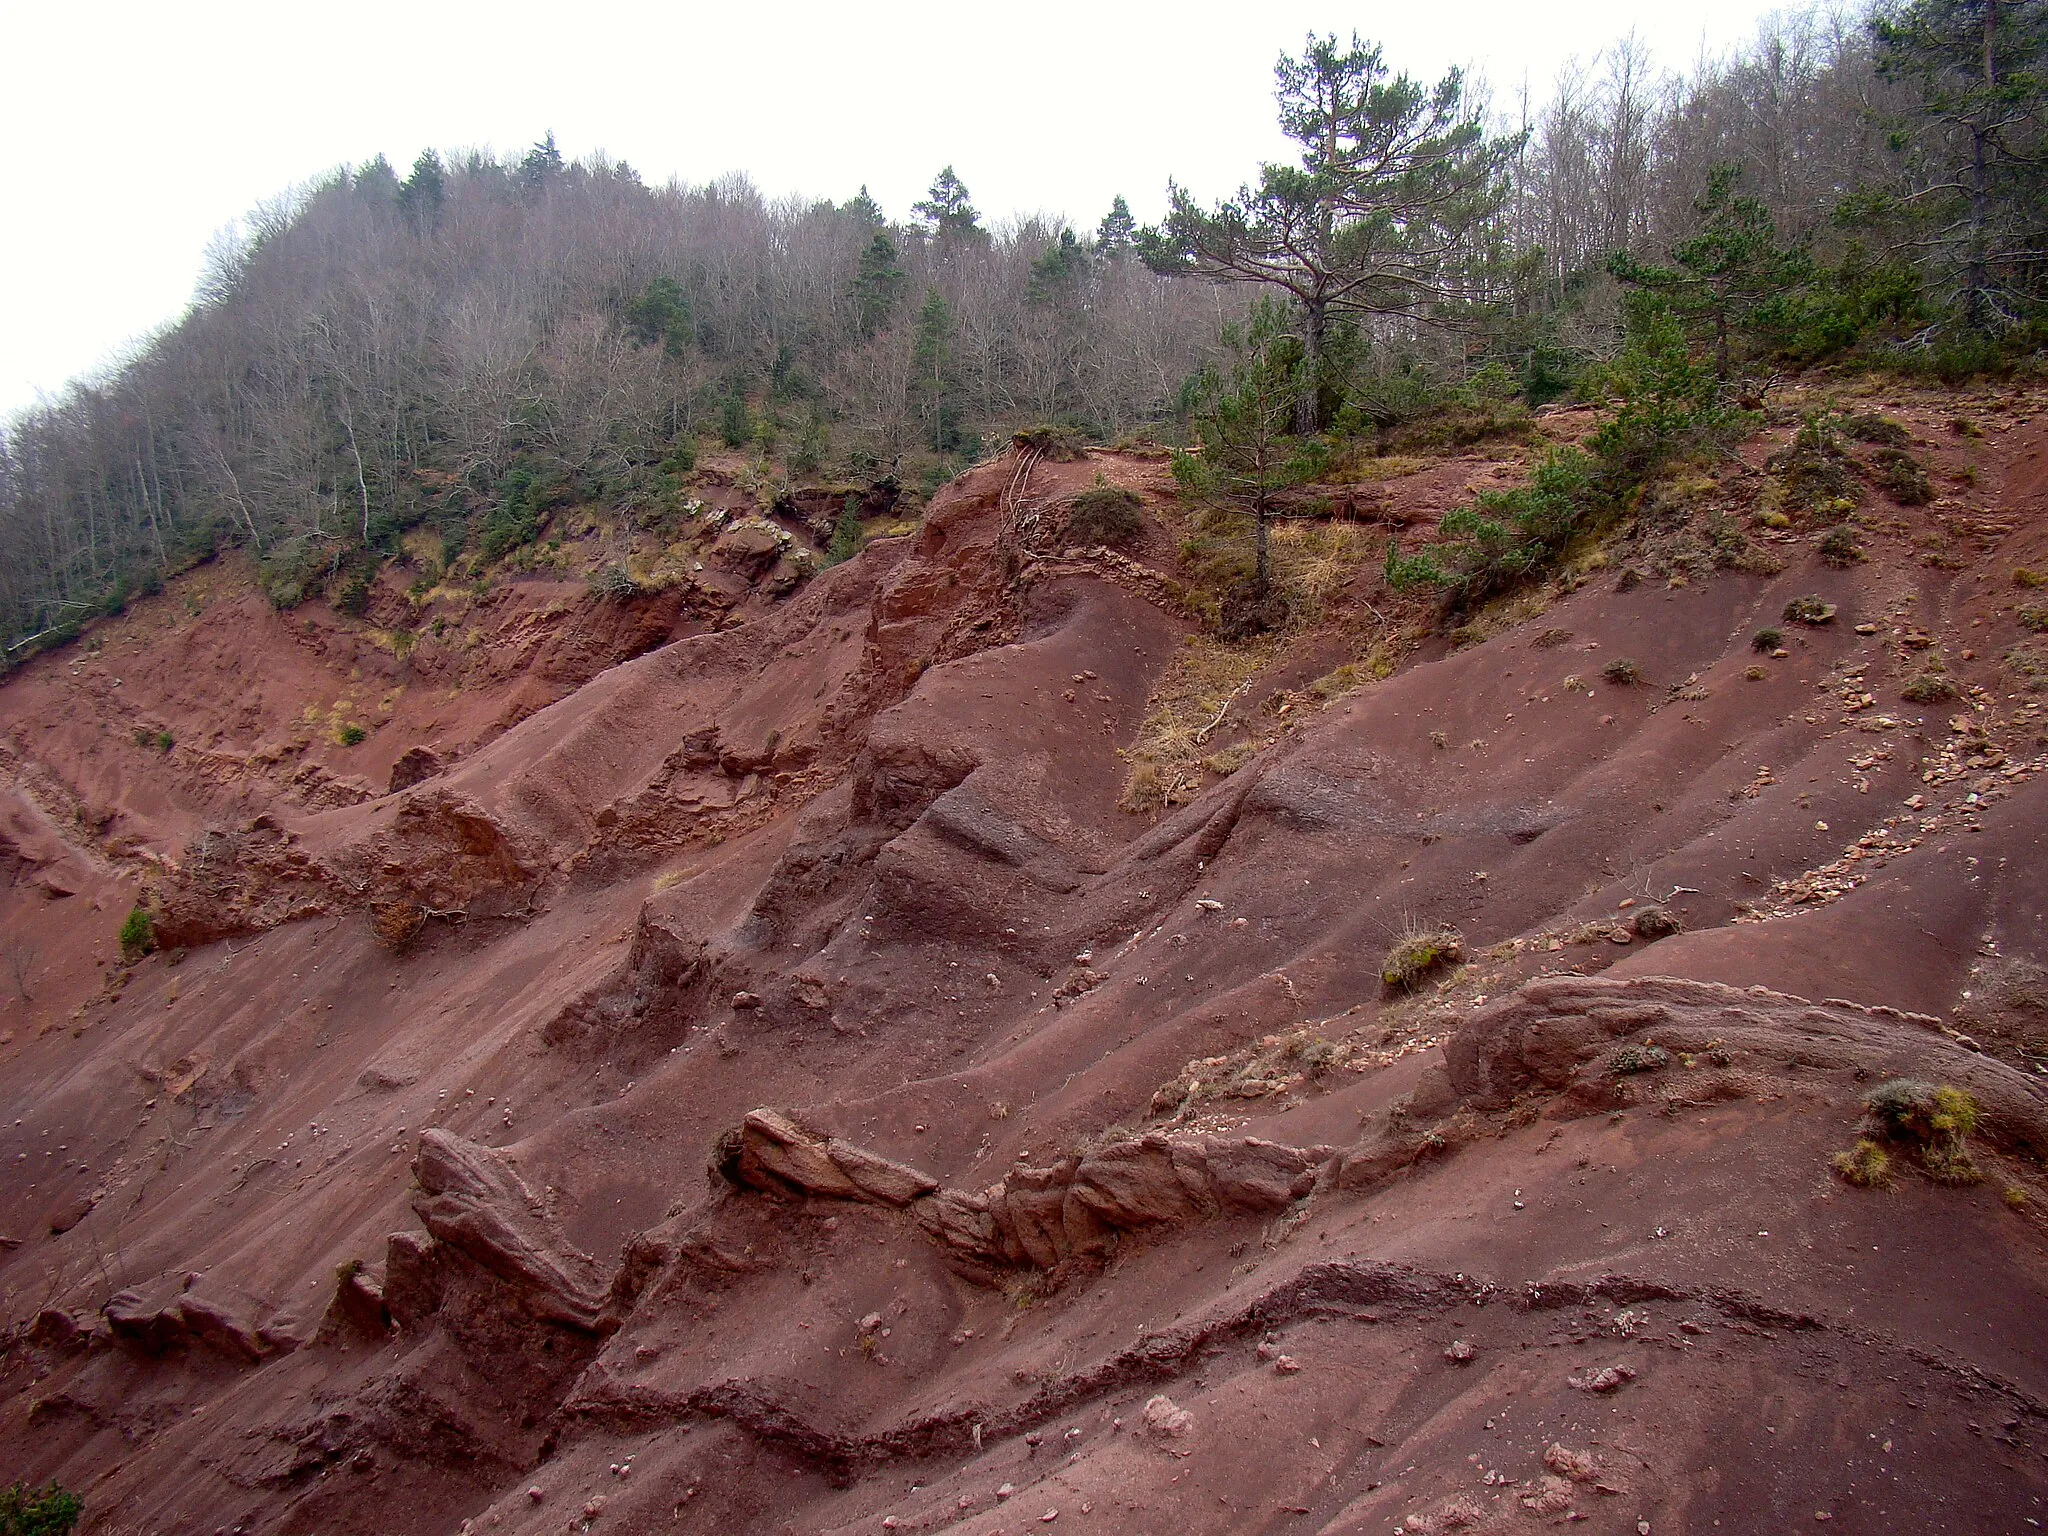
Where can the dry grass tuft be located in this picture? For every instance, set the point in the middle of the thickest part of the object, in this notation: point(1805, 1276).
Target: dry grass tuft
point(1417, 953)
point(1170, 756)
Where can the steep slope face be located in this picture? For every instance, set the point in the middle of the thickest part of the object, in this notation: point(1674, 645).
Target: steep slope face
point(773, 1086)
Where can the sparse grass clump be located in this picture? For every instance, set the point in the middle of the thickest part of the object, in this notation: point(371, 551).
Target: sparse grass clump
point(2035, 619)
point(1418, 953)
point(2022, 577)
point(1105, 514)
point(1767, 639)
point(1932, 1121)
point(1631, 1059)
point(1188, 704)
point(2029, 664)
point(1865, 1165)
point(1809, 610)
point(1622, 672)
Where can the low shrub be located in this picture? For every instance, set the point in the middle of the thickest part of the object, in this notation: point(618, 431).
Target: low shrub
point(1767, 639)
point(1062, 443)
point(1419, 952)
point(2035, 619)
point(2022, 577)
point(1902, 477)
point(1652, 923)
point(611, 583)
point(1932, 1121)
point(1814, 472)
point(1105, 514)
point(1869, 427)
point(1838, 547)
point(1929, 687)
point(138, 934)
point(1631, 1059)
point(1809, 610)
point(1622, 672)
point(27, 1511)
point(351, 735)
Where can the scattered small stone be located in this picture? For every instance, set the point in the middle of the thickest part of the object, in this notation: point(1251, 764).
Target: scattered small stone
point(1566, 1462)
point(535, 1494)
point(1166, 1420)
point(1461, 1352)
point(1606, 1379)
point(1287, 1365)
point(1005, 1491)
point(745, 1000)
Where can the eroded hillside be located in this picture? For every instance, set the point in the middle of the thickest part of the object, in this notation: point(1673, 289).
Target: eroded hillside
point(907, 1048)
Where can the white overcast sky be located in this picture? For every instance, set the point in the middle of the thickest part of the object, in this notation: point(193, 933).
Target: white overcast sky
point(141, 129)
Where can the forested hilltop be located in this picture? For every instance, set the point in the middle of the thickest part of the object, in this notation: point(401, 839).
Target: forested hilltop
point(480, 343)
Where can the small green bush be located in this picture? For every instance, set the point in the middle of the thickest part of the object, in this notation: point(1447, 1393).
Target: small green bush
point(1767, 639)
point(1809, 610)
point(138, 934)
point(848, 536)
point(351, 735)
point(2035, 619)
point(1417, 953)
point(2022, 577)
point(26, 1512)
point(1631, 1059)
point(1622, 672)
point(1105, 514)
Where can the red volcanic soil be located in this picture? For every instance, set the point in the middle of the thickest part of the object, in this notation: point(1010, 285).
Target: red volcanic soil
point(726, 1061)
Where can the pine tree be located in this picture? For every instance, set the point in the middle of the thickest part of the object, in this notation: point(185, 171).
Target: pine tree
point(421, 194)
point(946, 210)
point(542, 163)
point(1056, 268)
point(1732, 280)
point(1117, 234)
point(878, 283)
point(1378, 218)
point(931, 369)
point(1976, 185)
point(1242, 420)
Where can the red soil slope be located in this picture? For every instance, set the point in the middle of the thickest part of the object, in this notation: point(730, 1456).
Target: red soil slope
point(1103, 1184)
